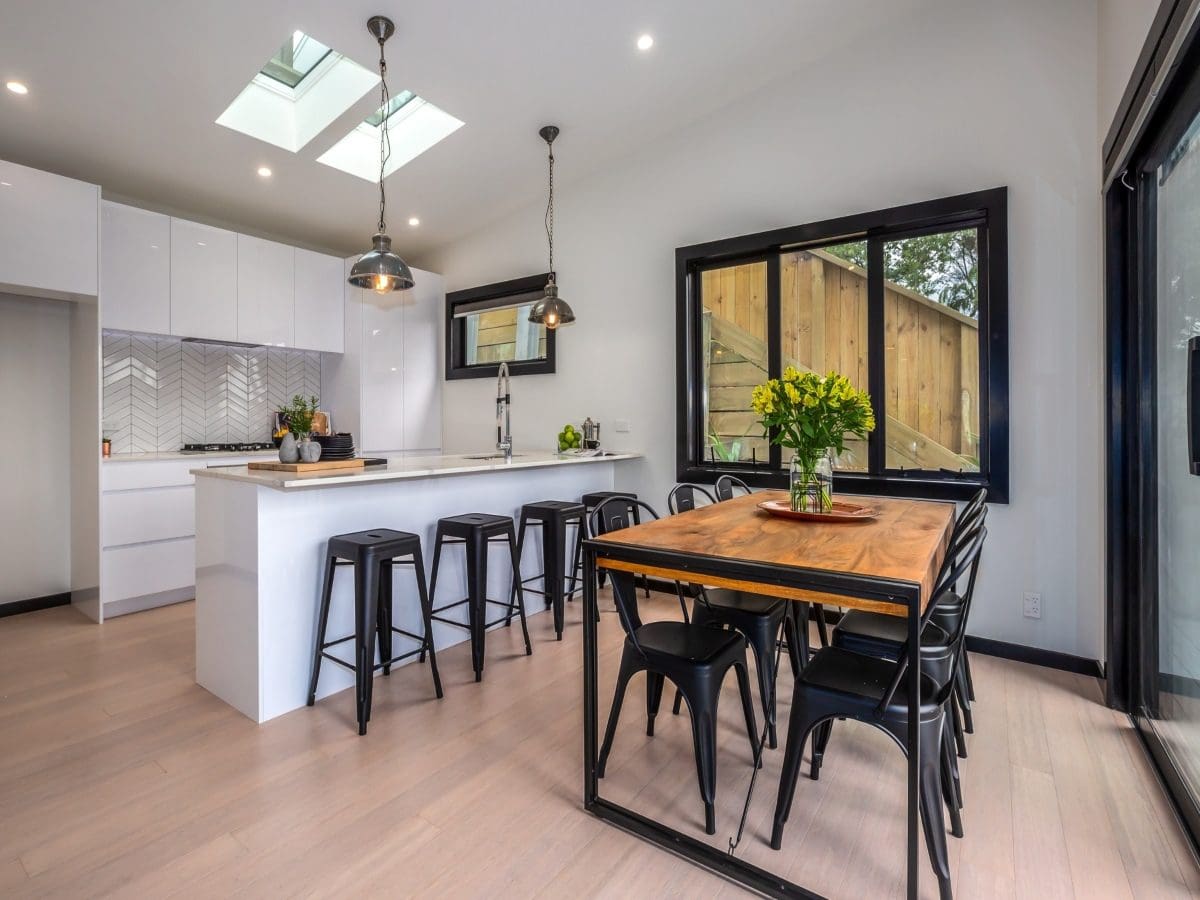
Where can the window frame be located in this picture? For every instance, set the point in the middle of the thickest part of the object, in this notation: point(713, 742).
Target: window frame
point(986, 210)
point(456, 367)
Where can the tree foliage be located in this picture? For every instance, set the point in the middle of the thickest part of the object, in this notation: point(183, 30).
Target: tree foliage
point(943, 266)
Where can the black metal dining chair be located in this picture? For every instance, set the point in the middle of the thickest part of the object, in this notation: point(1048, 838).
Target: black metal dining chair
point(761, 620)
point(842, 684)
point(728, 486)
point(695, 658)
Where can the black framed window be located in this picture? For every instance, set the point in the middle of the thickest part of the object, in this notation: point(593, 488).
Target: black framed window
point(909, 303)
point(488, 325)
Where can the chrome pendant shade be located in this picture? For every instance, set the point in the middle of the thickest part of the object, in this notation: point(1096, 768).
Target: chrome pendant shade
point(551, 310)
point(380, 269)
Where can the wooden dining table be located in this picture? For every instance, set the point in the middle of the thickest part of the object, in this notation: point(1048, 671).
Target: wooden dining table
point(886, 564)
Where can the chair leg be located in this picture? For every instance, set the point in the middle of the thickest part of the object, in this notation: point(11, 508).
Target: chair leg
point(793, 756)
point(743, 680)
point(477, 553)
point(366, 600)
point(576, 559)
point(962, 694)
point(512, 599)
point(797, 638)
point(518, 591)
point(627, 670)
point(704, 737)
point(322, 624)
point(427, 616)
point(383, 615)
point(554, 536)
point(654, 690)
point(821, 735)
point(950, 787)
point(822, 626)
point(932, 819)
point(437, 559)
point(966, 667)
point(960, 740)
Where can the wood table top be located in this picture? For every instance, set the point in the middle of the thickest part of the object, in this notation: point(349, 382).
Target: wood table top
point(905, 542)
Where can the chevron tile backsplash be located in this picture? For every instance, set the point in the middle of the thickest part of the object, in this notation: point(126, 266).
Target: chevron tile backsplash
point(162, 393)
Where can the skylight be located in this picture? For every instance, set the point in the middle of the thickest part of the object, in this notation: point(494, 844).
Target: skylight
point(413, 126)
point(297, 93)
point(299, 55)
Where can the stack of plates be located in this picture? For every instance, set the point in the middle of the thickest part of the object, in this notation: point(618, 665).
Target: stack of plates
point(336, 446)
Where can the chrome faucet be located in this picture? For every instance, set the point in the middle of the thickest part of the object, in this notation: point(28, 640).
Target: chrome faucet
point(504, 441)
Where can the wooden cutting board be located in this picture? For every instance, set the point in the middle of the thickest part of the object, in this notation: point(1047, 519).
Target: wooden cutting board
point(318, 466)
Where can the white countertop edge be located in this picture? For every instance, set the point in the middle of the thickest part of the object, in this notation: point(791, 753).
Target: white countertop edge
point(400, 469)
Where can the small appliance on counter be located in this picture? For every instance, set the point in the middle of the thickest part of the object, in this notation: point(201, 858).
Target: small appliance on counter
point(591, 434)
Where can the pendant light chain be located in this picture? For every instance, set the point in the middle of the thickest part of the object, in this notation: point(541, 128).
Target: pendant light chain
point(385, 142)
point(550, 210)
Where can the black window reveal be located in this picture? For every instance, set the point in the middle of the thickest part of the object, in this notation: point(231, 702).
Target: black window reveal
point(488, 325)
point(909, 303)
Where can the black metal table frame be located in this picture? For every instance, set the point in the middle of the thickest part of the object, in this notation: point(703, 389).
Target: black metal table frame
point(723, 863)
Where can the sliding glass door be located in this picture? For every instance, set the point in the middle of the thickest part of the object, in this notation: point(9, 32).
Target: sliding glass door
point(1171, 708)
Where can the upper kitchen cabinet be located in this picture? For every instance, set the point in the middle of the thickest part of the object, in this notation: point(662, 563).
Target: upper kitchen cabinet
point(135, 269)
point(266, 278)
point(422, 363)
point(49, 233)
point(320, 302)
point(204, 281)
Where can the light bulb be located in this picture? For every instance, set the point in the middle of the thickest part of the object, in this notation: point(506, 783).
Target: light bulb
point(383, 284)
point(551, 321)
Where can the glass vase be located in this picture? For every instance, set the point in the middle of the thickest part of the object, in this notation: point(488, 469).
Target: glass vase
point(811, 490)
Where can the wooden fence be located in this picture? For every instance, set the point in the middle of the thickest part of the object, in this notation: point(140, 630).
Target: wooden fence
point(931, 355)
point(496, 339)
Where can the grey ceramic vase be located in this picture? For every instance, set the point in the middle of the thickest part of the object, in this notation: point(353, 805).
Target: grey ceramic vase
point(287, 450)
point(310, 451)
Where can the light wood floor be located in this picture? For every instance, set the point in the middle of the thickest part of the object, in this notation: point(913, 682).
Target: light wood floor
point(119, 776)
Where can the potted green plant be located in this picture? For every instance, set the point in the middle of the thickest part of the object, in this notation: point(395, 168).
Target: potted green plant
point(812, 415)
point(299, 417)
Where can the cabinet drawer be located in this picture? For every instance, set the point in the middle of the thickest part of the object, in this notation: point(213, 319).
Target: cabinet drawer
point(147, 569)
point(129, 476)
point(155, 514)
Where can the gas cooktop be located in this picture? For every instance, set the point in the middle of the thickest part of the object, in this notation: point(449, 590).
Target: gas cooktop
point(251, 447)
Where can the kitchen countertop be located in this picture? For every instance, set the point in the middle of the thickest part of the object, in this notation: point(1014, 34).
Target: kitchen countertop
point(178, 454)
point(401, 468)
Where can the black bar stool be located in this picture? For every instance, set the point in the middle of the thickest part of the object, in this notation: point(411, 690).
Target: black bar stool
point(553, 516)
point(477, 531)
point(372, 553)
point(590, 502)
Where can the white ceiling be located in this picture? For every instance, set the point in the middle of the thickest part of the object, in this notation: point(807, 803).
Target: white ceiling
point(124, 93)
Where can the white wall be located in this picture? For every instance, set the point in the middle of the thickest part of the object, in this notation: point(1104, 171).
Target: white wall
point(35, 495)
point(966, 96)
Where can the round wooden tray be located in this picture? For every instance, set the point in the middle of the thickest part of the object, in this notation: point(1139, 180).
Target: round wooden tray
point(842, 511)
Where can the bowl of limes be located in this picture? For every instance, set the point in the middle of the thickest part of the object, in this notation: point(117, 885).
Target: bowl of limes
point(570, 438)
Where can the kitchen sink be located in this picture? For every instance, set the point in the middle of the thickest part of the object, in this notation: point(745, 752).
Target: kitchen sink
point(492, 456)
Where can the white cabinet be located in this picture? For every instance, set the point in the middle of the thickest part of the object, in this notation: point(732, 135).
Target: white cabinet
point(422, 363)
point(135, 269)
point(49, 233)
point(320, 302)
point(387, 385)
point(266, 273)
point(204, 281)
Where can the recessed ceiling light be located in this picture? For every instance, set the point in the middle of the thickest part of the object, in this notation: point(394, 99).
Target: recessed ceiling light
point(201, 244)
point(264, 172)
point(5, 184)
point(17, 88)
point(645, 42)
point(414, 221)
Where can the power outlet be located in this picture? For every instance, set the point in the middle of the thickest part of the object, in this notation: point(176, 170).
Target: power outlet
point(1032, 607)
point(621, 426)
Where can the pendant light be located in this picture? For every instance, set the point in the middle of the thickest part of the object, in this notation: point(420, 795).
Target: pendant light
point(551, 311)
point(379, 268)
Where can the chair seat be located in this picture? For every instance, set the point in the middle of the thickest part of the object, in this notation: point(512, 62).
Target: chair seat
point(543, 508)
point(740, 602)
point(694, 643)
point(860, 627)
point(864, 679)
point(381, 543)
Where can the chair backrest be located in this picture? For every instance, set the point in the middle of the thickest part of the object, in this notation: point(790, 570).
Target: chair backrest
point(974, 514)
point(611, 515)
point(728, 485)
point(683, 497)
point(963, 560)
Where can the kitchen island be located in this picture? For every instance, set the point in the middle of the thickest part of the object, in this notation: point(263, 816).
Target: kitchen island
point(260, 544)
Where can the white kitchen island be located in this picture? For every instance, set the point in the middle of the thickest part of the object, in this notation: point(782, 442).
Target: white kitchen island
point(260, 544)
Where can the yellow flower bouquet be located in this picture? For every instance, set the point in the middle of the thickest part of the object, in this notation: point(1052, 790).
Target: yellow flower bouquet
point(812, 415)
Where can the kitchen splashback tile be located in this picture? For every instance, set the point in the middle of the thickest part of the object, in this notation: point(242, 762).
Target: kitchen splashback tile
point(160, 393)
